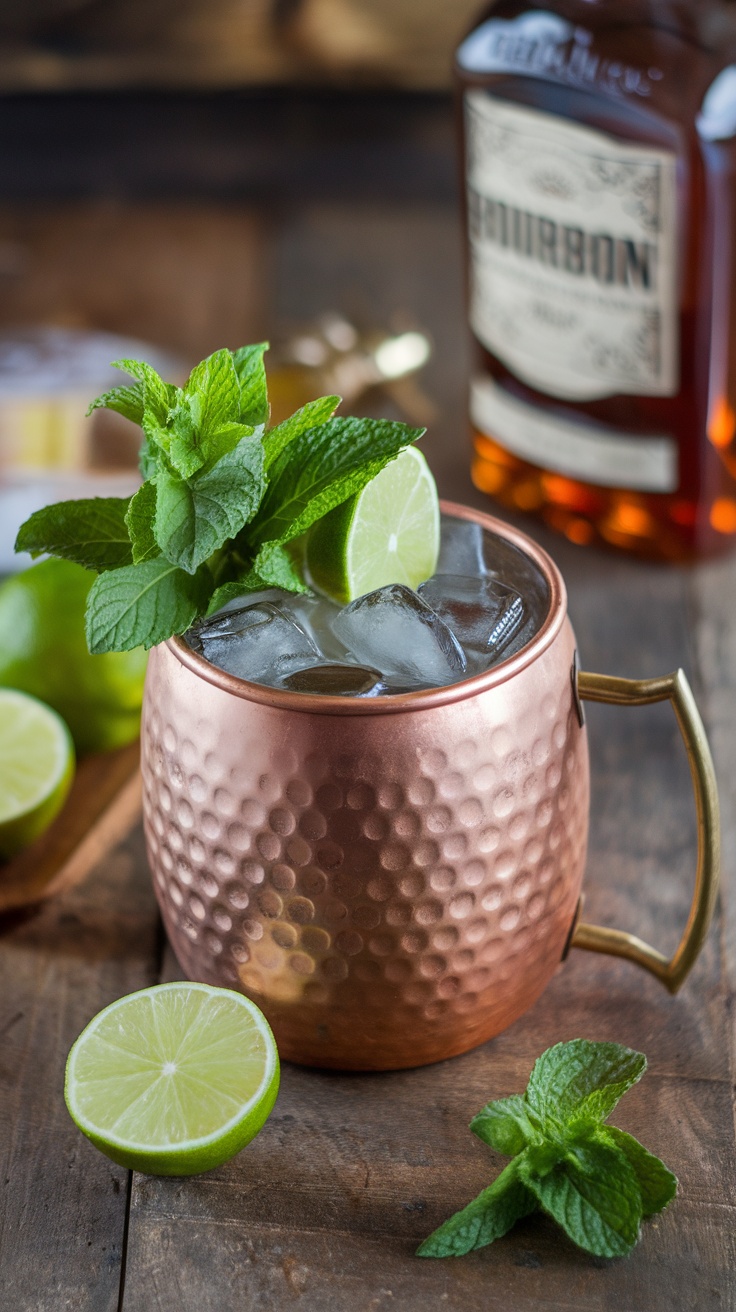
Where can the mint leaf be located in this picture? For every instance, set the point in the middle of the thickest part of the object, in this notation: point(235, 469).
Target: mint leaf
point(213, 392)
point(581, 1081)
point(311, 415)
point(657, 1184)
point(91, 532)
point(276, 567)
point(251, 372)
point(594, 1196)
point(157, 394)
point(151, 446)
point(505, 1125)
point(321, 468)
point(488, 1217)
point(139, 521)
point(128, 401)
point(225, 439)
point(157, 435)
point(189, 451)
point(195, 517)
point(143, 604)
point(180, 440)
point(204, 422)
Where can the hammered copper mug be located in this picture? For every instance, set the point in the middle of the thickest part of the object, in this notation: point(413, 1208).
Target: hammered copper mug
point(393, 880)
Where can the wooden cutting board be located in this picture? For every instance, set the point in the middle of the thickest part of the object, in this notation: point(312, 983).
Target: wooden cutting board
point(104, 803)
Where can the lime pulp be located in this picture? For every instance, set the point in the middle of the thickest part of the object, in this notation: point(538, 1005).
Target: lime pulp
point(388, 533)
point(36, 769)
point(174, 1079)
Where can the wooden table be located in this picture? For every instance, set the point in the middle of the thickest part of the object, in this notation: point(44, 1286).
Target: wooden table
point(323, 1211)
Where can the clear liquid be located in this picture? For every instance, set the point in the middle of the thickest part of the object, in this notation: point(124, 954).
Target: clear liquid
point(484, 603)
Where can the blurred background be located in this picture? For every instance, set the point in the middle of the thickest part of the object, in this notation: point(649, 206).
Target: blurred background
point(66, 45)
point(199, 173)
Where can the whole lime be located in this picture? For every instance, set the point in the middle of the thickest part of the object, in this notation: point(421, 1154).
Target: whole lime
point(43, 651)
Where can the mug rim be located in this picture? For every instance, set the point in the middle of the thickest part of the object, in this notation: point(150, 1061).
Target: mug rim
point(426, 698)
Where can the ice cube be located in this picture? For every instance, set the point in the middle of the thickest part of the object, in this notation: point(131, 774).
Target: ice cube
point(398, 633)
point(484, 614)
point(468, 549)
point(259, 642)
point(315, 615)
point(462, 547)
point(333, 679)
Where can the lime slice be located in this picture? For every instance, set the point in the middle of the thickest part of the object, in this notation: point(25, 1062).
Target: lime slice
point(36, 768)
point(174, 1079)
point(388, 533)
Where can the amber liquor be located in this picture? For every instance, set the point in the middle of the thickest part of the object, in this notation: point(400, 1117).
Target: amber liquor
point(598, 138)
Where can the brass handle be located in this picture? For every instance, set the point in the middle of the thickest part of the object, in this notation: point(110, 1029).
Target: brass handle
point(615, 942)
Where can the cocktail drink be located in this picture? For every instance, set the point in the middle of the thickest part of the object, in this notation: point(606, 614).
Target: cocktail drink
point(483, 604)
point(389, 862)
point(362, 815)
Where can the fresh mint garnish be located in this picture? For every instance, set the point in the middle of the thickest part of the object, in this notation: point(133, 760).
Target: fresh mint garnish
point(154, 599)
point(251, 371)
point(196, 516)
point(128, 401)
point(490, 1216)
point(224, 498)
point(311, 415)
point(91, 532)
point(596, 1181)
point(139, 520)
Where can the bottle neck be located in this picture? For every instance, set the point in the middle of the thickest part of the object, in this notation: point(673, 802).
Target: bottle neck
point(707, 23)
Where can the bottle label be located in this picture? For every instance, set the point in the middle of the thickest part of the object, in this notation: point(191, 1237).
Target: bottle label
point(578, 448)
point(573, 271)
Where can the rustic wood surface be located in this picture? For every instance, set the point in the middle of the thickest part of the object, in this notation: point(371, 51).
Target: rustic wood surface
point(324, 1209)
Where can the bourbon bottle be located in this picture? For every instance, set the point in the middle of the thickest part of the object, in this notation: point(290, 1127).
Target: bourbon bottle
point(599, 142)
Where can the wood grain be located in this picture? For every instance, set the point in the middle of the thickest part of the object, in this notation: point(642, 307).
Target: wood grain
point(62, 1204)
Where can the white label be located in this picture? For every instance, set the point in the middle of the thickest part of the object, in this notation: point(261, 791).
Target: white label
point(578, 449)
point(573, 253)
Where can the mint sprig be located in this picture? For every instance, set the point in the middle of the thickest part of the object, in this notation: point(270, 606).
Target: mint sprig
point(223, 501)
point(596, 1181)
point(91, 532)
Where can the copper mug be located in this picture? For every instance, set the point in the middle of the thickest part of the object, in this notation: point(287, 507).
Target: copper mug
point(393, 880)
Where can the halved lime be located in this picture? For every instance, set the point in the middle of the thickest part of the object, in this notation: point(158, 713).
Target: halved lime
point(388, 533)
point(36, 768)
point(174, 1079)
